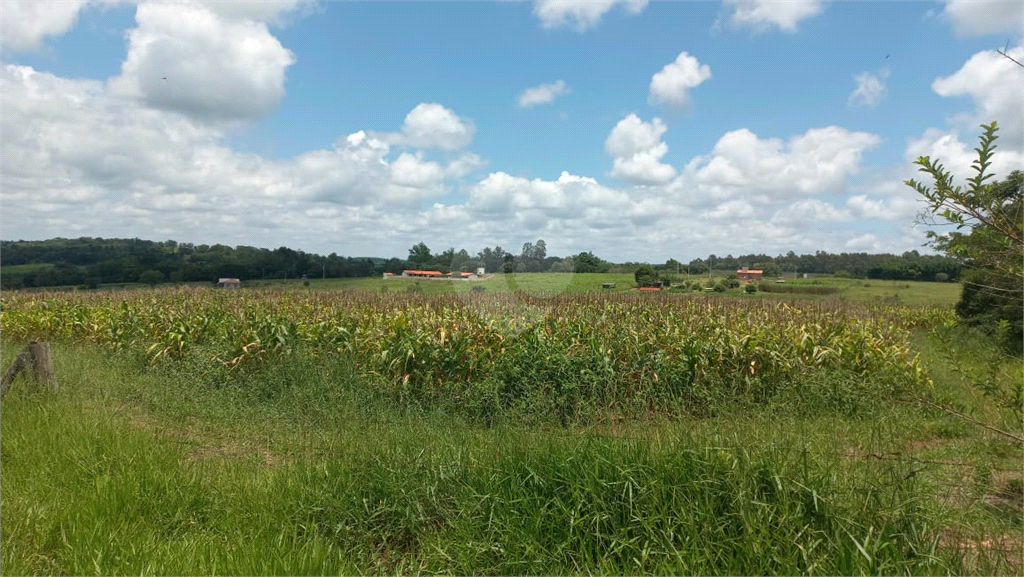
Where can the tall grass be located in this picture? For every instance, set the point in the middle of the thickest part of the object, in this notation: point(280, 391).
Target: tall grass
point(198, 432)
point(573, 355)
point(104, 477)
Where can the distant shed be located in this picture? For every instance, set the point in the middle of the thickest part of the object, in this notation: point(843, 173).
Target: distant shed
point(229, 283)
point(749, 274)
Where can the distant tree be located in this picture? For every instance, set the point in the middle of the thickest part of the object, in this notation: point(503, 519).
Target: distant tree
point(588, 262)
point(445, 260)
point(645, 275)
point(770, 268)
point(562, 265)
point(151, 277)
point(419, 255)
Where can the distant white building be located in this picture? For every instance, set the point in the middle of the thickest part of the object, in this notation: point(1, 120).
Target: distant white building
point(229, 283)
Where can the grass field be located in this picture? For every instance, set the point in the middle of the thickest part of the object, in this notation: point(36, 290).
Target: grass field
point(311, 462)
point(859, 290)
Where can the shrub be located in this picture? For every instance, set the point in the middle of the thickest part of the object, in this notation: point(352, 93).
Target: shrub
point(644, 275)
point(751, 288)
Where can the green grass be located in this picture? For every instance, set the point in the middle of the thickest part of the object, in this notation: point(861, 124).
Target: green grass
point(538, 284)
point(858, 290)
point(914, 293)
point(302, 467)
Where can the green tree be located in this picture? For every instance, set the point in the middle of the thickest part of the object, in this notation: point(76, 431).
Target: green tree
point(645, 275)
point(533, 255)
point(588, 262)
point(987, 236)
point(419, 255)
point(152, 277)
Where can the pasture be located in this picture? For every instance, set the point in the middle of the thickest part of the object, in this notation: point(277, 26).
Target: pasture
point(542, 426)
point(538, 284)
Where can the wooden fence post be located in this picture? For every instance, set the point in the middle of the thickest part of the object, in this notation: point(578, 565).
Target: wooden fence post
point(42, 364)
point(35, 355)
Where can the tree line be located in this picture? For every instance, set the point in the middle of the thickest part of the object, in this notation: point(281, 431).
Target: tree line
point(93, 261)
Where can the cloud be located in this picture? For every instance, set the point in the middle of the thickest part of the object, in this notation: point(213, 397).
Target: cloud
point(636, 148)
point(671, 85)
point(957, 157)
point(412, 171)
point(431, 125)
point(188, 59)
point(870, 89)
point(761, 15)
point(26, 23)
point(74, 155)
point(542, 94)
point(463, 165)
point(981, 17)
point(809, 210)
point(994, 84)
point(274, 12)
point(580, 14)
point(744, 165)
point(984, 78)
point(865, 243)
point(902, 206)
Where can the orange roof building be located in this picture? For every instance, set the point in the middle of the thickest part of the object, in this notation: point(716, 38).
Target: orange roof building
point(413, 273)
point(749, 274)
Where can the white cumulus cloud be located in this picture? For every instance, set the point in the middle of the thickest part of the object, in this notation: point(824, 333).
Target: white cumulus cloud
point(186, 58)
point(25, 23)
point(637, 149)
point(996, 86)
point(744, 165)
point(580, 14)
point(671, 86)
point(431, 125)
point(761, 15)
point(870, 89)
point(981, 17)
point(542, 94)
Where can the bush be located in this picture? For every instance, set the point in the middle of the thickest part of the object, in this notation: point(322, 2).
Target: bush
point(988, 299)
point(751, 288)
point(644, 275)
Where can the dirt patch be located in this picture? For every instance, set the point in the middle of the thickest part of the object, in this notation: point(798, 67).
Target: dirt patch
point(988, 553)
point(209, 447)
point(228, 452)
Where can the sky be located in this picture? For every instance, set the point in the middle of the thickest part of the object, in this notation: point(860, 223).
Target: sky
point(637, 130)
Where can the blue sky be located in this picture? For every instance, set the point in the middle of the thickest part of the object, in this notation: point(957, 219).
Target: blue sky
point(637, 130)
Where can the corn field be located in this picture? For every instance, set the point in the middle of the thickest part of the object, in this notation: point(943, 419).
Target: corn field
point(610, 350)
